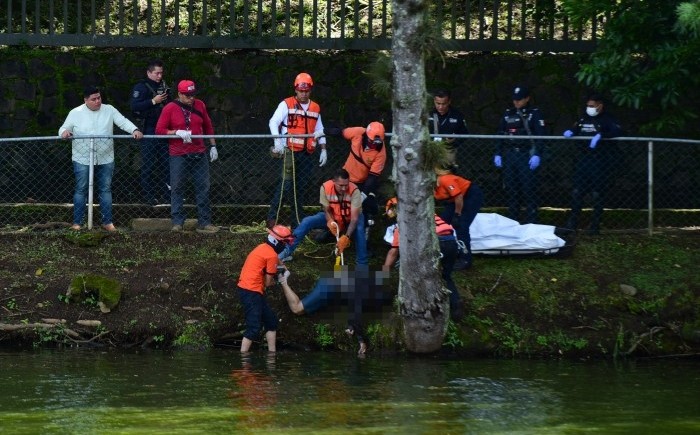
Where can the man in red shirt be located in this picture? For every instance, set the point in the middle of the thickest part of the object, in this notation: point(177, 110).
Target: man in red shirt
point(184, 117)
point(258, 273)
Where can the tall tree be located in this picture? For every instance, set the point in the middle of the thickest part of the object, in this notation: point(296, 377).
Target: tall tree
point(424, 303)
point(647, 58)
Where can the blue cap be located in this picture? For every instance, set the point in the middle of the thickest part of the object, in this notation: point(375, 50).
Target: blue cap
point(520, 92)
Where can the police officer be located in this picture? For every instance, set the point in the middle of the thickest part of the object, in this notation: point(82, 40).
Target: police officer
point(596, 160)
point(520, 158)
point(147, 100)
point(445, 119)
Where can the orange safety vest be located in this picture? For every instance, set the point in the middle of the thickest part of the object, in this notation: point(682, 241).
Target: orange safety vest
point(300, 121)
point(340, 206)
point(442, 228)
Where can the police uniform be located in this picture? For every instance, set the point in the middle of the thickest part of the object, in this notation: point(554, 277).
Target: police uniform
point(594, 166)
point(154, 152)
point(520, 181)
point(451, 122)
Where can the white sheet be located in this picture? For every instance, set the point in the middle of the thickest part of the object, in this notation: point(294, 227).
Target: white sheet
point(494, 234)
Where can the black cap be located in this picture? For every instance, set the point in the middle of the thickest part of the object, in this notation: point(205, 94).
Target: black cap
point(520, 92)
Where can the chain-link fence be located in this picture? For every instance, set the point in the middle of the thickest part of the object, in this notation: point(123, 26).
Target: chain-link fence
point(37, 180)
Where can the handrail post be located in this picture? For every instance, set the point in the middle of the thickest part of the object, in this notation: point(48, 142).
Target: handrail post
point(91, 176)
point(650, 187)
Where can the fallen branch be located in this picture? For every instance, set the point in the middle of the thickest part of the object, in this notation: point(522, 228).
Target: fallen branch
point(641, 338)
point(11, 327)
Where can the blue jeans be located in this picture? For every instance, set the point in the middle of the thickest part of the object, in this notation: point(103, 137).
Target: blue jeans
point(318, 221)
point(197, 167)
point(257, 313)
point(303, 170)
point(103, 180)
point(154, 169)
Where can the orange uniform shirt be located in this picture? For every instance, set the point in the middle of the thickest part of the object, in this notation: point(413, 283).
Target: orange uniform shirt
point(361, 162)
point(449, 186)
point(261, 261)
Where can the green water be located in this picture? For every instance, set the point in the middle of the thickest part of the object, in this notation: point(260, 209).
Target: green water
point(93, 392)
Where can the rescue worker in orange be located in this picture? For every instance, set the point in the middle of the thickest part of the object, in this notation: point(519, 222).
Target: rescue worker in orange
point(259, 272)
point(341, 201)
point(294, 116)
point(365, 162)
point(462, 201)
point(449, 252)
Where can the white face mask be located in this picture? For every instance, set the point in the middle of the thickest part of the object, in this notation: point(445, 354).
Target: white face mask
point(591, 111)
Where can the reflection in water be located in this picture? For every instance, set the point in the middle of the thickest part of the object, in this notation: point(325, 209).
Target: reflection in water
point(224, 392)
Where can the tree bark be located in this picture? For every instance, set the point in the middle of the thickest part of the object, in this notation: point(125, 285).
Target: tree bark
point(423, 302)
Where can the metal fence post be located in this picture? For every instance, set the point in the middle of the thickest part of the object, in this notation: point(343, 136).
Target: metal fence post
point(91, 177)
point(650, 187)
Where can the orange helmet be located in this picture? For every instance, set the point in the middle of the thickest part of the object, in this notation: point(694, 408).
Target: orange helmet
point(303, 82)
point(281, 233)
point(390, 208)
point(375, 129)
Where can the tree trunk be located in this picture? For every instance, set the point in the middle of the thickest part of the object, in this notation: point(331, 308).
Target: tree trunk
point(423, 303)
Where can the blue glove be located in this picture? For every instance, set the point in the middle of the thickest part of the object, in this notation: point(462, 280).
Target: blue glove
point(594, 141)
point(568, 133)
point(497, 161)
point(534, 162)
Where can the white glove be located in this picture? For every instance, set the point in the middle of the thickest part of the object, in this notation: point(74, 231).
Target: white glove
point(185, 135)
point(213, 154)
point(279, 146)
point(282, 277)
point(324, 157)
point(318, 134)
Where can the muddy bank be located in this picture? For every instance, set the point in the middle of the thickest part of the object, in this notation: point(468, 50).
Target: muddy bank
point(616, 295)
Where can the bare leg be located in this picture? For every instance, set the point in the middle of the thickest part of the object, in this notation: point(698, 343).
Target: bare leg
point(293, 300)
point(271, 337)
point(245, 344)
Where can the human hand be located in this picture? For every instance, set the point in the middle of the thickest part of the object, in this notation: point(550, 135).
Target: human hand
point(318, 134)
point(278, 147)
point(213, 154)
point(136, 134)
point(568, 133)
point(343, 242)
point(323, 158)
point(534, 162)
point(67, 134)
point(283, 276)
point(332, 227)
point(185, 135)
point(594, 141)
point(497, 161)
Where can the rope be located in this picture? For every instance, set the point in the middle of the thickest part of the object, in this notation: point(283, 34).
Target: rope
point(290, 153)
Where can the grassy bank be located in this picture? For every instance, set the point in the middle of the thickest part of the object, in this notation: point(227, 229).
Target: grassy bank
point(615, 295)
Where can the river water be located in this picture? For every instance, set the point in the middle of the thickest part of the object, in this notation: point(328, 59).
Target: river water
point(107, 392)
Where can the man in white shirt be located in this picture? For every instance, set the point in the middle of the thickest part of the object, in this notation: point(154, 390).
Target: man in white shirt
point(296, 115)
point(94, 118)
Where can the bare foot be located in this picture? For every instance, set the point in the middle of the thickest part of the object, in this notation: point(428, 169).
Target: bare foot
point(110, 227)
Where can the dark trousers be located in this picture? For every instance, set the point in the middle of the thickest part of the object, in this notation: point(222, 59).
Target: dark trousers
point(590, 176)
point(294, 187)
point(473, 201)
point(155, 170)
point(520, 183)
